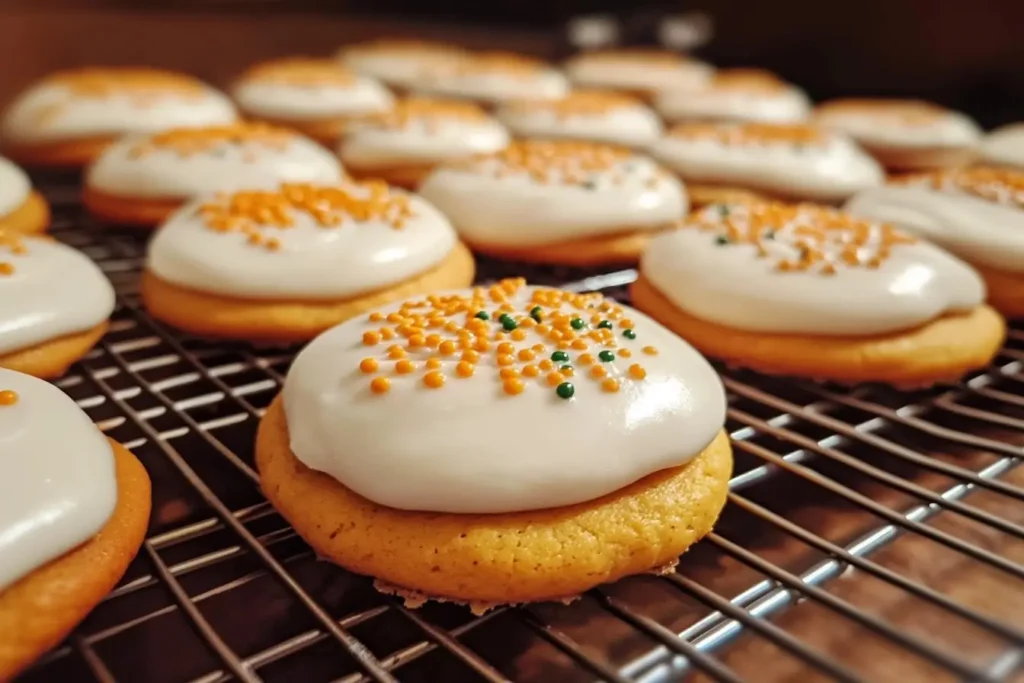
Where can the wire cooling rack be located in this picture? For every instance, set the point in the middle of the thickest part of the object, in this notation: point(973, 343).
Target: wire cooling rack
point(870, 535)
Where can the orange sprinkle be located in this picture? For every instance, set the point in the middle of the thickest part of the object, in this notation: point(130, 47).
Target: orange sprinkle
point(579, 344)
point(387, 333)
point(371, 338)
point(518, 335)
point(530, 371)
point(555, 378)
point(433, 363)
point(505, 359)
point(404, 367)
point(546, 364)
point(507, 372)
point(434, 380)
point(598, 372)
point(586, 359)
point(395, 351)
point(506, 348)
point(433, 340)
point(470, 356)
point(526, 354)
point(447, 347)
point(369, 365)
point(416, 340)
point(380, 385)
point(376, 317)
point(625, 353)
point(464, 369)
point(514, 386)
point(650, 351)
point(610, 384)
point(8, 397)
point(636, 371)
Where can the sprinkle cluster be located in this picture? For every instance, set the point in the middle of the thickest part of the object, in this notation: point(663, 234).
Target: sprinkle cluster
point(552, 339)
point(301, 71)
point(430, 112)
point(141, 83)
point(254, 212)
point(993, 184)
point(747, 80)
point(802, 237)
point(749, 134)
point(903, 113)
point(186, 142)
point(8, 397)
point(11, 243)
point(578, 103)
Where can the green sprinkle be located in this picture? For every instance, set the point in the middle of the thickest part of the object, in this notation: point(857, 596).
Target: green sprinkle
point(721, 239)
point(565, 390)
point(629, 334)
point(509, 324)
point(606, 324)
point(560, 356)
point(535, 313)
point(723, 210)
point(565, 368)
point(482, 315)
point(503, 317)
point(606, 356)
point(768, 234)
point(589, 184)
point(577, 323)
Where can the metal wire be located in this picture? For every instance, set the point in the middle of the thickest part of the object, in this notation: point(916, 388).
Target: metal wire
point(892, 467)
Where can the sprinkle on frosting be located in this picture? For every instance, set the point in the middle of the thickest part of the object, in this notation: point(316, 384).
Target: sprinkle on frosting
point(255, 212)
point(188, 142)
point(898, 112)
point(802, 237)
point(552, 162)
point(8, 397)
point(749, 134)
point(533, 345)
point(427, 111)
point(578, 103)
point(301, 71)
point(1001, 186)
point(10, 243)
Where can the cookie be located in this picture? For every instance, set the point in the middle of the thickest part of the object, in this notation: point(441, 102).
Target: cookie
point(561, 202)
point(492, 78)
point(1003, 147)
point(403, 145)
point(54, 305)
point(398, 63)
point(809, 291)
point(469, 511)
point(284, 265)
point(976, 213)
point(736, 95)
point(22, 209)
point(73, 515)
point(641, 72)
point(594, 115)
point(141, 180)
point(904, 135)
point(785, 161)
point(316, 97)
point(69, 118)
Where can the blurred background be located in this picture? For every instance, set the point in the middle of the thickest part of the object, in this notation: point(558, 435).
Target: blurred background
point(967, 55)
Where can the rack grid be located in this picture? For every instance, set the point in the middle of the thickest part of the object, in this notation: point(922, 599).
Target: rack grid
point(870, 534)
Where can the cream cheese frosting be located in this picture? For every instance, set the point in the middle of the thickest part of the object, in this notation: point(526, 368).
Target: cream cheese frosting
point(301, 241)
point(14, 186)
point(976, 213)
point(788, 160)
point(187, 162)
point(494, 77)
point(401, 63)
point(60, 486)
point(1004, 147)
point(805, 269)
point(422, 131)
point(736, 95)
point(636, 70)
point(109, 102)
point(898, 124)
point(299, 89)
point(47, 291)
point(545, 192)
point(584, 115)
point(498, 400)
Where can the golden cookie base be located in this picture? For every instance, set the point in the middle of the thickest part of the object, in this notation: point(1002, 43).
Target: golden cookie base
point(68, 154)
point(52, 359)
point(128, 211)
point(622, 248)
point(31, 217)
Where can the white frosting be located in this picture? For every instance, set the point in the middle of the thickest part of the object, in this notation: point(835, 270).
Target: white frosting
point(1004, 146)
point(828, 171)
point(53, 291)
point(493, 85)
point(57, 469)
point(166, 173)
point(732, 286)
point(976, 229)
point(875, 129)
point(299, 102)
point(421, 140)
point(630, 125)
point(401, 67)
point(313, 261)
point(52, 112)
point(14, 187)
point(787, 105)
point(628, 73)
point(468, 447)
point(491, 206)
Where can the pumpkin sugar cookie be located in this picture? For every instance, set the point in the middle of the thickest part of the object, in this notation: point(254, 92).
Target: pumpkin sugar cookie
point(54, 305)
point(904, 135)
point(643, 73)
point(558, 202)
point(810, 291)
point(284, 265)
point(141, 180)
point(610, 117)
point(68, 118)
point(22, 209)
point(720, 162)
point(976, 213)
point(398, 63)
point(451, 506)
point(403, 145)
point(73, 515)
point(492, 78)
point(317, 97)
point(736, 95)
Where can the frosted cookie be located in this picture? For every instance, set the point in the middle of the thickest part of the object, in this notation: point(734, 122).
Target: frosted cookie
point(641, 72)
point(1004, 147)
point(54, 305)
point(22, 209)
point(736, 95)
point(976, 213)
point(494, 77)
point(904, 135)
point(73, 514)
point(141, 180)
point(809, 291)
point(68, 118)
point(576, 203)
point(315, 96)
point(403, 145)
point(523, 416)
point(584, 115)
point(284, 265)
point(399, 63)
point(785, 161)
